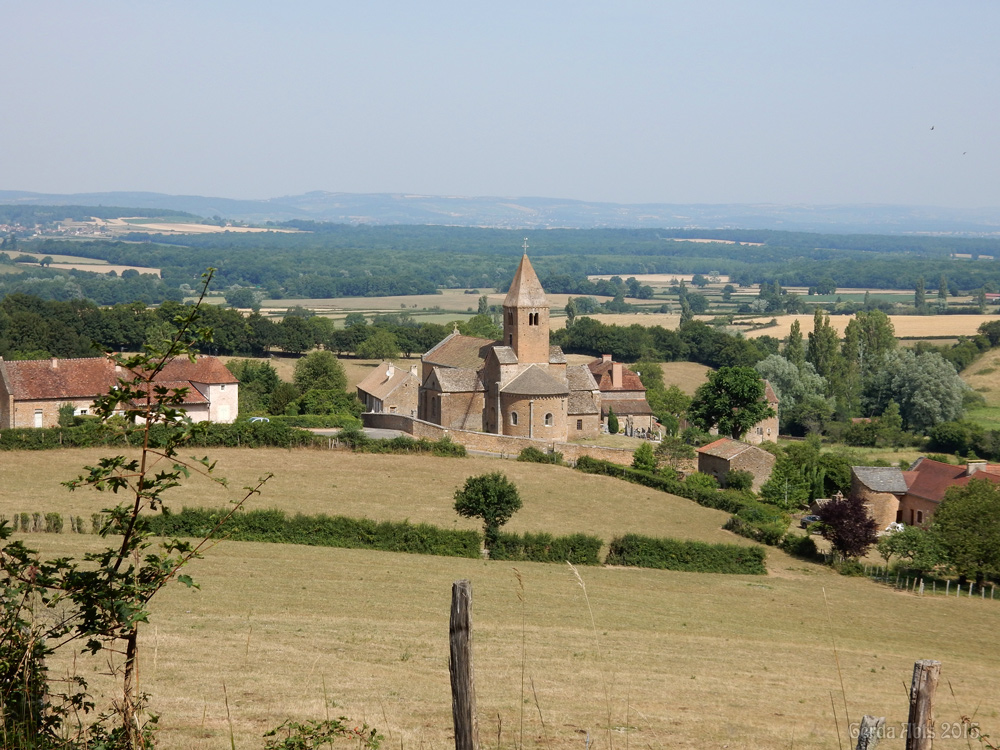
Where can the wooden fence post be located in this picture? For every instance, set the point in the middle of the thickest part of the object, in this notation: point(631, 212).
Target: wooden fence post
point(871, 732)
point(463, 687)
point(920, 724)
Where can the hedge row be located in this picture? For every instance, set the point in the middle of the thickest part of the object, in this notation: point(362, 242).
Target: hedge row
point(94, 433)
point(578, 549)
point(320, 531)
point(329, 421)
point(361, 443)
point(693, 557)
point(753, 519)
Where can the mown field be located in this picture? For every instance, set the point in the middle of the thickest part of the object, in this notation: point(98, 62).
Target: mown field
point(639, 657)
point(906, 325)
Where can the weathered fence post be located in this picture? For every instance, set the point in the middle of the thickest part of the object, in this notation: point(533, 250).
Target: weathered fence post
point(871, 732)
point(920, 724)
point(463, 688)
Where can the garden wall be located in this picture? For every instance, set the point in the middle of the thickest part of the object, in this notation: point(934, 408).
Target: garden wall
point(490, 443)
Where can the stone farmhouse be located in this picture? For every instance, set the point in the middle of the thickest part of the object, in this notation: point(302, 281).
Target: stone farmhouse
point(32, 391)
point(765, 431)
point(725, 454)
point(911, 497)
point(519, 386)
point(623, 392)
point(390, 389)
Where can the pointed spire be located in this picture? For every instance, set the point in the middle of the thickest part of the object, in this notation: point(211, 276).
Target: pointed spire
point(525, 290)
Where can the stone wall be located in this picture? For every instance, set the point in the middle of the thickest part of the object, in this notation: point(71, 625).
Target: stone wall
point(486, 442)
point(882, 506)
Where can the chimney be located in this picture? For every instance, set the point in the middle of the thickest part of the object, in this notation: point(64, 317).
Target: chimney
point(55, 363)
point(605, 358)
point(413, 370)
point(616, 374)
point(972, 467)
point(390, 370)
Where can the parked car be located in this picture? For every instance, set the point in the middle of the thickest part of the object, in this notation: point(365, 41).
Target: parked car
point(808, 521)
point(259, 419)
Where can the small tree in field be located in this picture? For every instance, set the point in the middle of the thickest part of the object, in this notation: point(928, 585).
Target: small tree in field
point(643, 459)
point(491, 497)
point(848, 526)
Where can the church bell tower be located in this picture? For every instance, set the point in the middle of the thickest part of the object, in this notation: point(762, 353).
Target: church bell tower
point(526, 315)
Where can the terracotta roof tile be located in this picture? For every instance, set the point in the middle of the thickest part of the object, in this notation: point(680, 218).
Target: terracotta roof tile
point(41, 379)
point(626, 406)
point(602, 374)
point(457, 350)
point(380, 385)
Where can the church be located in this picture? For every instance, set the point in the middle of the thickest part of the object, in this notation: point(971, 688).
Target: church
point(519, 386)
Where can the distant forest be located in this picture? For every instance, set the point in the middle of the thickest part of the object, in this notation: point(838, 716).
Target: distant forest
point(335, 260)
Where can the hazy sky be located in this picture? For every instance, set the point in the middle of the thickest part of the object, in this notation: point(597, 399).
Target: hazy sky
point(851, 101)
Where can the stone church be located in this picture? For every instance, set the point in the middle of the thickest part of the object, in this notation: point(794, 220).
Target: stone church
point(519, 386)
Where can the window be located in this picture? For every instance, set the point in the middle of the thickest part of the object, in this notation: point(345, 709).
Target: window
point(920, 516)
point(222, 387)
point(579, 424)
point(548, 420)
point(513, 417)
point(760, 430)
point(510, 317)
point(510, 339)
point(532, 319)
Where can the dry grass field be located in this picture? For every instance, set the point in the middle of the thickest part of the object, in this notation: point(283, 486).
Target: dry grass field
point(685, 375)
point(670, 321)
point(905, 325)
point(669, 659)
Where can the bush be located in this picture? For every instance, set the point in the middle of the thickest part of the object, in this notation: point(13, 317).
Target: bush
point(535, 456)
point(318, 420)
point(361, 443)
point(738, 479)
point(320, 530)
point(578, 549)
point(800, 546)
point(696, 557)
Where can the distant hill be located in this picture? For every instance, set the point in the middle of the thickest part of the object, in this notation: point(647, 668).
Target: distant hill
point(541, 213)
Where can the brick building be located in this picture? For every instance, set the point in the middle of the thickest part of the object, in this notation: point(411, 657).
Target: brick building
point(390, 389)
point(623, 392)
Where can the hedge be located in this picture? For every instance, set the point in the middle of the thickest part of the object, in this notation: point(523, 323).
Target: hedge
point(321, 531)
point(578, 549)
point(347, 421)
point(361, 443)
point(694, 557)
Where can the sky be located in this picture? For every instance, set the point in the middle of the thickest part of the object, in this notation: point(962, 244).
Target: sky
point(707, 101)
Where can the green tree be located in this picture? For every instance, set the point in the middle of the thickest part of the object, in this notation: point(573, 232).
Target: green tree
point(732, 400)
point(916, 547)
point(571, 310)
point(794, 349)
point(381, 344)
point(484, 305)
point(490, 497)
point(967, 524)
point(643, 459)
point(925, 386)
point(613, 425)
point(321, 370)
point(920, 295)
point(824, 346)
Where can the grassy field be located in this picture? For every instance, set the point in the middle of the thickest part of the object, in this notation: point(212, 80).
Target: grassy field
point(685, 375)
point(668, 660)
point(905, 325)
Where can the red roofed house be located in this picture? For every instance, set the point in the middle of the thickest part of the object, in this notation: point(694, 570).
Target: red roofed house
point(725, 454)
point(912, 496)
point(32, 391)
point(623, 392)
point(519, 386)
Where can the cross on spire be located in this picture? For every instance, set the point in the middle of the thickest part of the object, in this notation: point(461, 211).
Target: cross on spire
point(525, 245)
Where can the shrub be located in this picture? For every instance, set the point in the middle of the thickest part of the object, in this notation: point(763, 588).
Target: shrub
point(697, 557)
point(738, 479)
point(53, 523)
point(535, 456)
point(800, 546)
point(578, 549)
point(320, 531)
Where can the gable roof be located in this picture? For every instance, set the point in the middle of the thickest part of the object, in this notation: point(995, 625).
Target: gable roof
point(457, 350)
point(728, 448)
point(769, 395)
point(525, 290)
point(602, 374)
point(456, 380)
point(535, 382)
point(203, 370)
point(626, 407)
point(581, 402)
point(881, 478)
point(930, 480)
point(41, 379)
point(580, 378)
point(380, 384)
